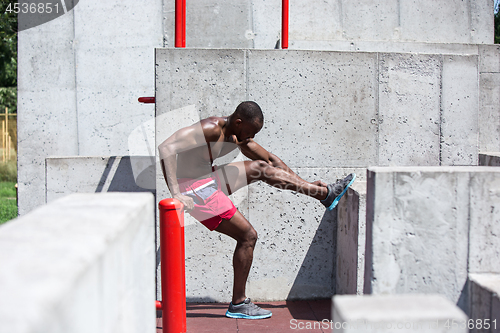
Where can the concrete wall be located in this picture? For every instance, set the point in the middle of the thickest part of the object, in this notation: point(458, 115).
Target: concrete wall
point(80, 74)
point(428, 227)
point(369, 109)
point(257, 23)
point(79, 79)
point(83, 263)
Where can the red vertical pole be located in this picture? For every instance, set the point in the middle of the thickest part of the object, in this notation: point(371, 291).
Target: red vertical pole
point(180, 23)
point(284, 24)
point(183, 23)
point(173, 276)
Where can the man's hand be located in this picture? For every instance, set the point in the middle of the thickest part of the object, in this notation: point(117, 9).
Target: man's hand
point(186, 201)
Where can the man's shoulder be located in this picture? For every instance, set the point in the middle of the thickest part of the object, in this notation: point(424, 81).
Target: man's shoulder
point(212, 126)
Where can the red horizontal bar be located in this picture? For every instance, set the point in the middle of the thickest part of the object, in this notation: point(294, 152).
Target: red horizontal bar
point(158, 305)
point(146, 99)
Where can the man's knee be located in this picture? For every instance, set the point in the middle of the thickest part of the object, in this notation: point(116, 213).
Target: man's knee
point(250, 237)
point(258, 169)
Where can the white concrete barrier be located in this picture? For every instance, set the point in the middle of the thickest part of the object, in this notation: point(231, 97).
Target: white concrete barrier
point(396, 313)
point(83, 263)
point(428, 227)
point(485, 302)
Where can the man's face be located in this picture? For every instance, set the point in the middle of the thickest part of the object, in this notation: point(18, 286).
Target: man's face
point(248, 130)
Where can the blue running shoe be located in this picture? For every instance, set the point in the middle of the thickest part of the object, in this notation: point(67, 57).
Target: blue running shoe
point(337, 190)
point(247, 310)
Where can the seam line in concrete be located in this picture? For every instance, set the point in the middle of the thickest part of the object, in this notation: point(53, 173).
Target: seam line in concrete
point(377, 106)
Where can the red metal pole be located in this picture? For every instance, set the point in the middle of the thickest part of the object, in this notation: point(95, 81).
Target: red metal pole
point(284, 24)
point(173, 276)
point(180, 23)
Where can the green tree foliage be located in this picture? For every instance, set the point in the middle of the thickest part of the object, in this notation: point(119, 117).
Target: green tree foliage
point(8, 59)
point(497, 23)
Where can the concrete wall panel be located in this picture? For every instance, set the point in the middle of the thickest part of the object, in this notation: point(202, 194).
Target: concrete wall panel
point(369, 20)
point(484, 243)
point(212, 24)
point(435, 21)
point(459, 100)
point(409, 109)
point(213, 80)
point(337, 90)
point(489, 112)
point(47, 120)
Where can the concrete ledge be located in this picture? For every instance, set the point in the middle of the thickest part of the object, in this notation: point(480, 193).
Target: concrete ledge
point(93, 174)
point(485, 301)
point(395, 313)
point(489, 159)
point(84, 263)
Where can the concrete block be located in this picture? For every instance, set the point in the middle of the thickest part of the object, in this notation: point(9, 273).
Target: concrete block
point(396, 313)
point(84, 174)
point(459, 100)
point(417, 230)
point(489, 112)
point(485, 302)
point(336, 89)
point(427, 227)
point(84, 263)
point(489, 159)
point(409, 109)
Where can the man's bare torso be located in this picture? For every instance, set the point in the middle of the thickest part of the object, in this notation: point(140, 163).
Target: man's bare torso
point(197, 162)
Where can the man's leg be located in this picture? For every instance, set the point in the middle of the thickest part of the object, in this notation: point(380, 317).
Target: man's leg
point(240, 174)
point(245, 235)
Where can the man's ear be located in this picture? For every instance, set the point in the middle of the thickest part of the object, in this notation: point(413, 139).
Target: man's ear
point(238, 122)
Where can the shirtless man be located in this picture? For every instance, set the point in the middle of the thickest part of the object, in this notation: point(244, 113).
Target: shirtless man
point(187, 164)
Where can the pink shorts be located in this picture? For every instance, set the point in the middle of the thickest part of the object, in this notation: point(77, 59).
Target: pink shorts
point(211, 205)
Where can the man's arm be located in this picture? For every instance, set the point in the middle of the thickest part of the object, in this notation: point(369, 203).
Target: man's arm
point(184, 139)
